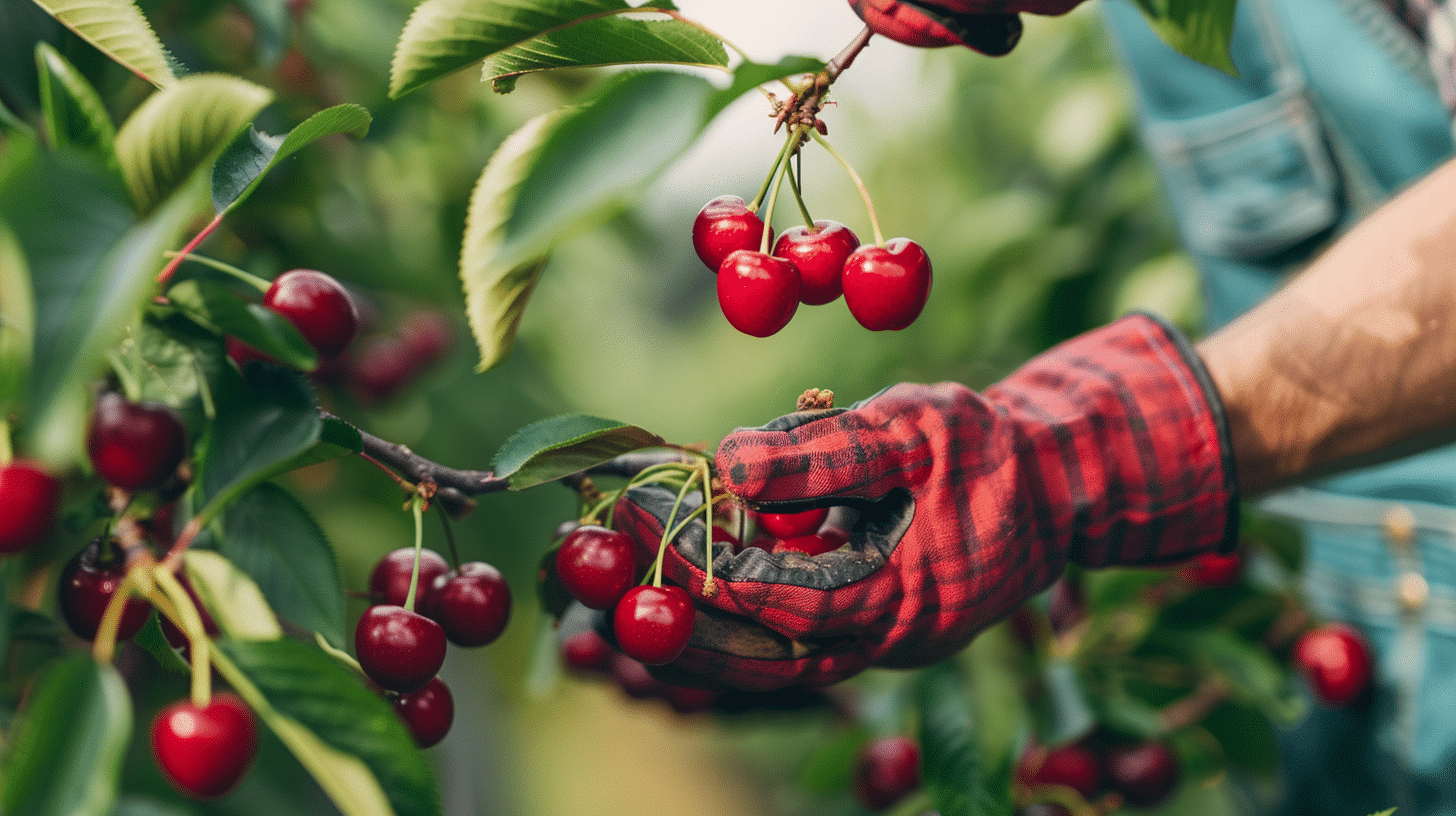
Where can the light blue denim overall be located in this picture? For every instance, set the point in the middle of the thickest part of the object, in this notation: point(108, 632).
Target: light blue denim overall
point(1335, 108)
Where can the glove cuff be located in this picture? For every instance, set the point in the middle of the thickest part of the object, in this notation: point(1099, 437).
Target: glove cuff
point(1125, 447)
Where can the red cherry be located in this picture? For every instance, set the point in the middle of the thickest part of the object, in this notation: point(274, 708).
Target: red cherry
point(819, 254)
point(398, 649)
point(88, 581)
point(380, 367)
point(428, 713)
point(1074, 766)
point(653, 624)
point(722, 536)
point(635, 679)
point(790, 525)
point(1213, 569)
point(723, 225)
point(204, 751)
point(390, 579)
point(587, 651)
point(472, 604)
point(887, 771)
point(596, 565)
point(687, 700)
point(1335, 662)
point(318, 306)
point(134, 445)
point(812, 544)
point(758, 293)
point(428, 334)
point(886, 287)
point(1144, 774)
point(29, 499)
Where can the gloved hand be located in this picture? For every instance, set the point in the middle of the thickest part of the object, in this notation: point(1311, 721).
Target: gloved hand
point(989, 26)
point(1108, 449)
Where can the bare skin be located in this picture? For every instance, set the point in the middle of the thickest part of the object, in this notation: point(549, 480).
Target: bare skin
point(1356, 354)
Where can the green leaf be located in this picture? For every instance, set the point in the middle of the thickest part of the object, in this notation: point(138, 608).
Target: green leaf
point(608, 41)
point(154, 642)
point(272, 538)
point(312, 689)
point(1066, 713)
point(443, 36)
point(750, 75)
point(233, 598)
point(258, 433)
point(17, 321)
point(551, 448)
point(554, 174)
point(1249, 740)
point(67, 753)
point(118, 29)
point(171, 360)
point(91, 265)
point(1253, 675)
point(1201, 29)
point(178, 131)
point(1276, 535)
point(951, 763)
point(219, 309)
point(75, 115)
point(252, 154)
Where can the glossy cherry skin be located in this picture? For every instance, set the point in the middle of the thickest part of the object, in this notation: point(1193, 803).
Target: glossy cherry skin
point(1213, 569)
point(887, 770)
point(811, 544)
point(1335, 661)
point(88, 581)
point(724, 225)
point(472, 604)
point(790, 525)
point(318, 306)
point(819, 254)
point(653, 624)
point(29, 499)
point(758, 293)
point(1074, 766)
point(428, 713)
point(389, 581)
point(205, 751)
point(596, 565)
point(134, 445)
point(886, 287)
point(587, 652)
point(1144, 774)
point(398, 649)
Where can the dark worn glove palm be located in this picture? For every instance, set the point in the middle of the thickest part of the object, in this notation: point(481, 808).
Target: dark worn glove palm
point(1109, 449)
point(989, 26)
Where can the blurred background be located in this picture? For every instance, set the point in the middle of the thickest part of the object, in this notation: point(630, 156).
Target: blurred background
point(1020, 176)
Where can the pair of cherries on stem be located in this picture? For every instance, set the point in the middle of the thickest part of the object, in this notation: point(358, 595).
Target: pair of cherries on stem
point(884, 285)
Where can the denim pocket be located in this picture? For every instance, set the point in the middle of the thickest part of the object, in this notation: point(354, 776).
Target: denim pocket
point(1250, 181)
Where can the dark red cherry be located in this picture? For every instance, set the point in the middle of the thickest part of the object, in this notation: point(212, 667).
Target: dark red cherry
point(134, 445)
point(653, 624)
point(29, 499)
point(886, 287)
point(1145, 774)
point(1335, 661)
point(318, 306)
point(428, 334)
point(634, 678)
point(472, 604)
point(811, 544)
point(789, 525)
point(596, 565)
point(758, 293)
point(398, 649)
point(588, 652)
point(724, 225)
point(887, 770)
point(819, 254)
point(688, 700)
point(1213, 569)
point(88, 581)
point(428, 713)
point(204, 751)
point(389, 581)
point(1074, 766)
point(379, 368)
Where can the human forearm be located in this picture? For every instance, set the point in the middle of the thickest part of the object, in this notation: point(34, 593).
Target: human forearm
point(1356, 353)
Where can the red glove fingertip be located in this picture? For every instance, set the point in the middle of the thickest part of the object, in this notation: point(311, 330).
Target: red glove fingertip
point(927, 25)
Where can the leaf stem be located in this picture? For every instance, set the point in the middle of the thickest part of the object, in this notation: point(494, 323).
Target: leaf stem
point(864, 193)
point(261, 284)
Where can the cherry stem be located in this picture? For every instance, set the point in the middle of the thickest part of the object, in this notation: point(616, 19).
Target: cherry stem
point(799, 196)
point(171, 267)
point(449, 536)
point(773, 172)
point(6, 452)
point(667, 535)
point(191, 624)
point(417, 510)
point(261, 284)
point(864, 193)
point(1195, 706)
point(782, 168)
point(103, 648)
point(709, 588)
point(338, 654)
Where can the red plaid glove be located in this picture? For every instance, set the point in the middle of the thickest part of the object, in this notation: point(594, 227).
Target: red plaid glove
point(1108, 449)
point(989, 26)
